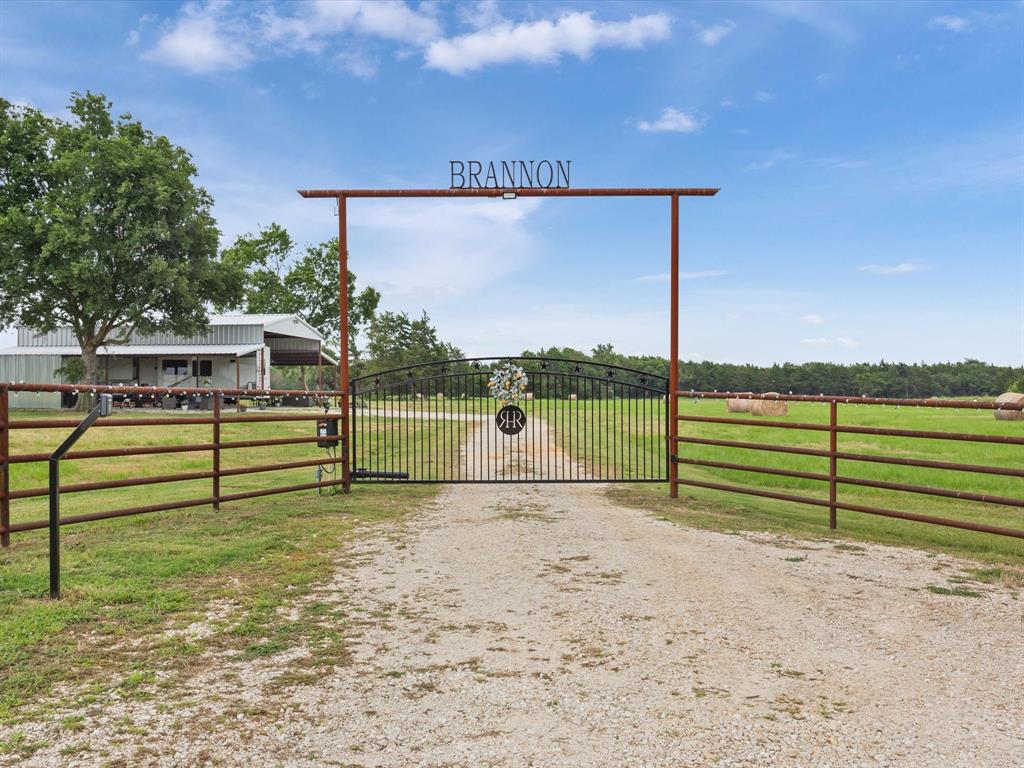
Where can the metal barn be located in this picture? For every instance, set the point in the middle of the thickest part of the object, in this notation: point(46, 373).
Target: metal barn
point(236, 351)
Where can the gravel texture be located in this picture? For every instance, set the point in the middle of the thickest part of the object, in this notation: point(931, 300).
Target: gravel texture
point(543, 625)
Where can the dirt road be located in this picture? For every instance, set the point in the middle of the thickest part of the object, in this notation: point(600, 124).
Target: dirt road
point(542, 625)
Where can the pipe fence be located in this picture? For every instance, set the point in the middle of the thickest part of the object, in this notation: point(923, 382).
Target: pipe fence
point(214, 447)
point(835, 480)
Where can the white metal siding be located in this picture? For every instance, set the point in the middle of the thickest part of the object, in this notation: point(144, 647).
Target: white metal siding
point(37, 369)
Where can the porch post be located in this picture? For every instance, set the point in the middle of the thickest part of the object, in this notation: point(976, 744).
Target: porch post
point(343, 335)
point(238, 381)
point(319, 367)
point(673, 355)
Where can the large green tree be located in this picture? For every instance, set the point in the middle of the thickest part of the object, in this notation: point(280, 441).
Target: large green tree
point(278, 280)
point(394, 339)
point(103, 228)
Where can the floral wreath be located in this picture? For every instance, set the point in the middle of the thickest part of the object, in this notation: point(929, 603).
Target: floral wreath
point(508, 384)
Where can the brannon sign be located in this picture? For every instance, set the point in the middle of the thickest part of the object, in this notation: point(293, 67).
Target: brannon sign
point(510, 174)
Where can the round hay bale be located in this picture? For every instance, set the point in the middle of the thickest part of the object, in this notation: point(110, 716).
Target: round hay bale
point(1009, 398)
point(738, 405)
point(769, 407)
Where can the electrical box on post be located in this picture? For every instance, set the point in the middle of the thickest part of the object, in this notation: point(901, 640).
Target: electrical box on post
point(327, 428)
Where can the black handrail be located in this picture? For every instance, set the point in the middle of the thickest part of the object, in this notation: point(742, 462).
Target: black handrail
point(509, 358)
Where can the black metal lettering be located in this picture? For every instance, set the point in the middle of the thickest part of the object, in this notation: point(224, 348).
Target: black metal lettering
point(525, 178)
point(460, 173)
point(492, 179)
point(508, 175)
point(474, 176)
point(563, 173)
point(551, 173)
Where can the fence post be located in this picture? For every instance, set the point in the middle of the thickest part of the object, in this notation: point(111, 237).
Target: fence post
point(216, 450)
point(102, 408)
point(348, 445)
point(5, 467)
point(673, 355)
point(832, 409)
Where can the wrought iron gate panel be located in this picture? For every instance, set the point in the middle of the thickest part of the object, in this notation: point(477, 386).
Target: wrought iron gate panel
point(435, 422)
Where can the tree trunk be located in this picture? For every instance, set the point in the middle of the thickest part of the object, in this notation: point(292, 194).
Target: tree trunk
point(302, 376)
point(90, 365)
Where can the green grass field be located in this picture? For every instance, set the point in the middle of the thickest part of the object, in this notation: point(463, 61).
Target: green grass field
point(128, 577)
point(734, 511)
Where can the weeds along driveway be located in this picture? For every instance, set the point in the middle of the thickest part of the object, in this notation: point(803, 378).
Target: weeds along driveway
point(547, 626)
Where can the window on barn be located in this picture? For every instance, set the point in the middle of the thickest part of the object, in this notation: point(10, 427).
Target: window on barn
point(202, 367)
point(175, 367)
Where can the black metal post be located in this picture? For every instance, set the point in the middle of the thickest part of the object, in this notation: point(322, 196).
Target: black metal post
point(55, 527)
point(102, 408)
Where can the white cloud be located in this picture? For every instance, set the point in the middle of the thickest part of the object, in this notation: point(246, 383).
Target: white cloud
point(775, 158)
point(902, 268)
point(479, 15)
point(838, 341)
point(765, 97)
point(222, 35)
point(358, 64)
point(442, 248)
point(813, 319)
point(673, 120)
point(543, 41)
point(310, 28)
point(663, 277)
point(827, 18)
point(716, 33)
point(203, 39)
point(726, 102)
point(135, 35)
point(950, 23)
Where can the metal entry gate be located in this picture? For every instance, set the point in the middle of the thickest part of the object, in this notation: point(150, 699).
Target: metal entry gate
point(580, 422)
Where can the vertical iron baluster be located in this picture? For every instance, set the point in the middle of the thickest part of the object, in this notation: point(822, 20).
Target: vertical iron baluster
point(646, 424)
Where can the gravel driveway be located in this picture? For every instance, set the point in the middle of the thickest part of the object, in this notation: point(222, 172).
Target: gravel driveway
point(543, 625)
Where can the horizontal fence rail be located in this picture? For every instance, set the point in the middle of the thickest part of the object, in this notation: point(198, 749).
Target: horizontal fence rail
point(832, 478)
point(326, 462)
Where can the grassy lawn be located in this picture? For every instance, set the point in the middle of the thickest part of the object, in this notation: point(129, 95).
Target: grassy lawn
point(722, 510)
point(132, 577)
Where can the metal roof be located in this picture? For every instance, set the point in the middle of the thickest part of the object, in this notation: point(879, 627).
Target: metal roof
point(141, 350)
point(286, 325)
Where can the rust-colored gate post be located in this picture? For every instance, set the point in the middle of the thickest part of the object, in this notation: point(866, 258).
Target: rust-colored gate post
point(343, 383)
point(673, 356)
point(5, 468)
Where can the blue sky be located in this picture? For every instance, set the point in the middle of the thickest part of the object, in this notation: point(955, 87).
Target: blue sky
point(870, 155)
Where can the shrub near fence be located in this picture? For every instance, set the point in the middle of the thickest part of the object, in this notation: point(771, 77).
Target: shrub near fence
point(172, 443)
point(837, 431)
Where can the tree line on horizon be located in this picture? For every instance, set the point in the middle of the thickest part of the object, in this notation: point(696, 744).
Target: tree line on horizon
point(966, 378)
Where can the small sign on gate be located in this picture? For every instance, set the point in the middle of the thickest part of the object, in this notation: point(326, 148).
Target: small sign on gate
point(510, 420)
